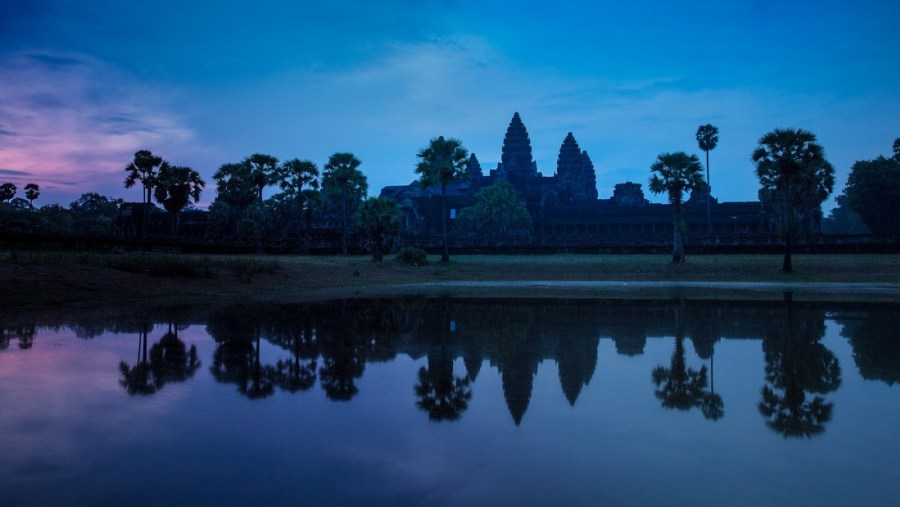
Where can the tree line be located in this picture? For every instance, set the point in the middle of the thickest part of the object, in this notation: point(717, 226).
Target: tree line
point(794, 175)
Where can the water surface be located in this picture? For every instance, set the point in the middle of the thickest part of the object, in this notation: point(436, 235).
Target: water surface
point(454, 402)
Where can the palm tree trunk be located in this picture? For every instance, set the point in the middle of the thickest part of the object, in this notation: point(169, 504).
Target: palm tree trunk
point(708, 198)
point(146, 213)
point(377, 248)
point(299, 224)
point(445, 255)
point(786, 263)
point(677, 241)
point(259, 222)
point(344, 227)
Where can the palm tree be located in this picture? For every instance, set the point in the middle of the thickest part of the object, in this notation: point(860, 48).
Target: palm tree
point(442, 162)
point(32, 192)
point(7, 192)
point(175, 187)
point(345, 185)
point(294, 175)
point(234, 187)
point(263, 172)
point(676, 173)
point(379, 219)
point(781, 159)
point(707, 138)
point(143, 169)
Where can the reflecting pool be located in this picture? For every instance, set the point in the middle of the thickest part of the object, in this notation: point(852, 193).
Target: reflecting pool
point(441, 401)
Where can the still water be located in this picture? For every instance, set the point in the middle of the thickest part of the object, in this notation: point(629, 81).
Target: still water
point(454, 402)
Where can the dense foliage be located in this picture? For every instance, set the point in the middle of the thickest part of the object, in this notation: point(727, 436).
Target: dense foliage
point(873, 191)
point(498, 214)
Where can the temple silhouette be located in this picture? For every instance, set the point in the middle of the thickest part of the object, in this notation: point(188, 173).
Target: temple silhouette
point(565, 208)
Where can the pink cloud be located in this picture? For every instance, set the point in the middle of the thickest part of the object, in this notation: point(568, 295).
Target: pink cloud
point(71, 123)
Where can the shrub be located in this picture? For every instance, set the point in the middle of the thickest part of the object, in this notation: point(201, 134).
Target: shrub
point(412, 256)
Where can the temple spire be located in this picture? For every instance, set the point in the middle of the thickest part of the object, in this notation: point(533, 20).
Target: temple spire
point(473, 167)
point(576, 180)
point(589, 177)
point(516, 160)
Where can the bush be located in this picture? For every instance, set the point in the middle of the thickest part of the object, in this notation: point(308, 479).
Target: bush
point(412, 256)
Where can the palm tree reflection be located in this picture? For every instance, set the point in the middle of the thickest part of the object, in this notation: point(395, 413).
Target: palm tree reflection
point(796, 364)
point(169, 360)
point(440, 393)
point(681, 388)
point(298, 373)
point(678, 386)
point(237, 355)
point(136, 379)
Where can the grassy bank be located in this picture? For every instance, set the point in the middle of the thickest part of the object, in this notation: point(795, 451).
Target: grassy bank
point(49, 279)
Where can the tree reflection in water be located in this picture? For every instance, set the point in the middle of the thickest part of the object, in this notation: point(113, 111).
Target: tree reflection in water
point(440, 393)
point(136, 379)
point(797, 364)
point(332, 341)
point(24, 334)
point(343, 358)
point(237, 356)
point(876, 348)
point(443, 395)
point(295, 333)
point(169, 360)
point(682, 388)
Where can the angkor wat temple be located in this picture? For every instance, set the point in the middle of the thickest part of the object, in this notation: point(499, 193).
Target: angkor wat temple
point(565, 208)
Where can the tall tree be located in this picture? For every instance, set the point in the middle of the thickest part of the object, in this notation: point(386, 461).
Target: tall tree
point(235, 189)
point(263, 173)
point(442, 162)
point(32, 192)
point(707, 138)
point(344, 185)
point(782, 159)
point(295, 177)
point(675, 174)
point(175, 187)
point(897, 149)
point(7, 192)
point(143, 169)
point(234, 185)
point(379, 219)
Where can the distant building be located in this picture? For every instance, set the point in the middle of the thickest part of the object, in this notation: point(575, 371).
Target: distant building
point(565, 208)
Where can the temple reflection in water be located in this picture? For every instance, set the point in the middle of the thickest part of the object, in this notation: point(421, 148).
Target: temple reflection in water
point(330, 344)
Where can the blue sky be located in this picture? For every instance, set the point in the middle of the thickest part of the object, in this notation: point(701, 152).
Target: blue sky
point(86, 84)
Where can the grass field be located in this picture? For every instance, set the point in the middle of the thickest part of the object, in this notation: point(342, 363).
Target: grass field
point(52, 279)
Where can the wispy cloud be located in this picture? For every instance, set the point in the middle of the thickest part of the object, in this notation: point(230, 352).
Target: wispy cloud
point(13, 172)
point(72, 121)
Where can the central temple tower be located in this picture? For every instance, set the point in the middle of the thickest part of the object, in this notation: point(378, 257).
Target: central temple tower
point(516, 162)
